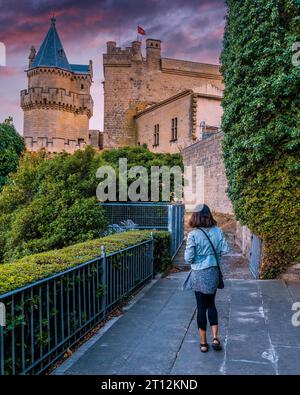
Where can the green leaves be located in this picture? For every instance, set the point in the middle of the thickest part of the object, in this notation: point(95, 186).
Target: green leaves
point(38, 266)
point(50, 201)
point(261, 123)
point(11, 147)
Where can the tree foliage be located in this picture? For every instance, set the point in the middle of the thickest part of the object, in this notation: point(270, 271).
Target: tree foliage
point(261, 124)
point(50, 201)
point(11, 147)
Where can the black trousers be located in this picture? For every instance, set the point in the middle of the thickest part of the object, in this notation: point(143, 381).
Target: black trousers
point(206, 307)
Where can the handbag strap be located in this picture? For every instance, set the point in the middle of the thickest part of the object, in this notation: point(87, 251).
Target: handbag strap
point(212, 246)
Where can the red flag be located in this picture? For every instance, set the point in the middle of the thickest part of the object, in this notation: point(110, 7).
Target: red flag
point(141, 31)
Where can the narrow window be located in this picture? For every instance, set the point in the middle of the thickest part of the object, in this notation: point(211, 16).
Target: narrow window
point(156, 135)
point(174, 129)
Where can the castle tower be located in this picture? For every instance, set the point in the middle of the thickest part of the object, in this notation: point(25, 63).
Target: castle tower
point(57, 104)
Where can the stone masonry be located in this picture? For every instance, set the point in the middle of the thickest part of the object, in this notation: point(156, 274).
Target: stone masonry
point(57, 104)
point(133, 83)
point(208, 153)
point(190, 110)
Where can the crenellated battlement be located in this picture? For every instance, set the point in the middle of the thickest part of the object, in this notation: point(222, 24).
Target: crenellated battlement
point(44, 71)
point(57, 104)
point(53, 145)
point(133, 81)
point(127, 56)
point(117, 55)
point(57, 98)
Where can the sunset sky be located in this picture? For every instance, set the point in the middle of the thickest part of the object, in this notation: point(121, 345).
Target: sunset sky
point(189, 29)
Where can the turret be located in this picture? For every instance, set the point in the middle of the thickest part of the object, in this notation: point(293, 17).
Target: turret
point(136, 50)
point(57, 104)
point(111, 45)
point(31, 56)
point(153, 52)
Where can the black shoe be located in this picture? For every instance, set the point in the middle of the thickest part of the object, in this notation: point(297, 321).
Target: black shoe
point(204, 347)
point(216, 344)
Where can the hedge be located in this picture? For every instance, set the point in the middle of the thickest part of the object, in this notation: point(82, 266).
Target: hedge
point(261, 125)
point(35, 267)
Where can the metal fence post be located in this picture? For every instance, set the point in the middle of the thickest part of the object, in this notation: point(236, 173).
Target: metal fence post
point(151, 256)
point(2, 325)
point(103, 279)
point(170, 227)
point(2, 314)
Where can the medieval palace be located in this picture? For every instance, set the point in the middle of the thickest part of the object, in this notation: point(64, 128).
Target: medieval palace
point(166, 104)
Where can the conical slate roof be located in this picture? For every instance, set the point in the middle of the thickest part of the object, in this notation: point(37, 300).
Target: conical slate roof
point(51, 52)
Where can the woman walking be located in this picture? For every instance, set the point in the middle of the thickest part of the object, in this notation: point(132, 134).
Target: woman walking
point(205, 244)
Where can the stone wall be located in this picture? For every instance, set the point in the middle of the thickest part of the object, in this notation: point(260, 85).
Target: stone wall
point(54, 123)
point(190, 109)
point(96, 139)
point(180, 108)
point(132, 83)
point(208, 153)
point(243, 238)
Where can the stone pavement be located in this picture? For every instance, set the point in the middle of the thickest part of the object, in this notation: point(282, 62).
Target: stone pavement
point(158, 334)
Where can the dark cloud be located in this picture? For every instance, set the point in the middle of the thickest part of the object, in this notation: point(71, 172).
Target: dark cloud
point(25, 22)
point(189, 29)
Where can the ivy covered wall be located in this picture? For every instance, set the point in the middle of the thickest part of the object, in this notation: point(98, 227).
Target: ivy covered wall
point(261, 124)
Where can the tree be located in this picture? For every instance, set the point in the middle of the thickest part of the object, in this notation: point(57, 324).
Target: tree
point(261, 124)
point(50, 201)
point(11, 147)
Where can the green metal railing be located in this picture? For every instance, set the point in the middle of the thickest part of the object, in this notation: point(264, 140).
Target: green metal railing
point(46, 318)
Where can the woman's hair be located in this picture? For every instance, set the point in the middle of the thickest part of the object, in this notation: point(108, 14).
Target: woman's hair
point(202, 217)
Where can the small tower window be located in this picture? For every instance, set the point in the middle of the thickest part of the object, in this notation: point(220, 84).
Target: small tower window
point(156, 135)
point(61, 53)
point(82, 86)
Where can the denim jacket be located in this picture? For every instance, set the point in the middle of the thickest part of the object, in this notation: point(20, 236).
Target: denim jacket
point(198, 251)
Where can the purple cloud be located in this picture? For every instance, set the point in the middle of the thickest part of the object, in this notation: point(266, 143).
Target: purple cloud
point(189, 29)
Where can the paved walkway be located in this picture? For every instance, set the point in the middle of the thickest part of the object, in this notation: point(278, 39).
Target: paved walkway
point(158, 334)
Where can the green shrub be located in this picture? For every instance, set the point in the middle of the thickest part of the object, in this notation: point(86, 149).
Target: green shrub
point(11, 147)
point(141, 156)
point(162, 259)
point(50, 202)
point(38, 266)
point(261, 124)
